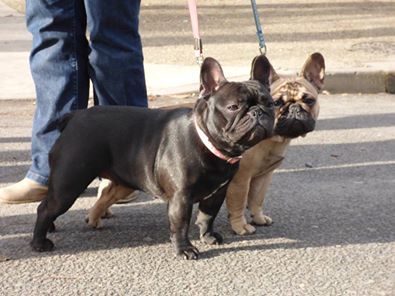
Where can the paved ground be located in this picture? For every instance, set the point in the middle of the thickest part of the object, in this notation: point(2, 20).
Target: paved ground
point(354, 36)
point(332, 201)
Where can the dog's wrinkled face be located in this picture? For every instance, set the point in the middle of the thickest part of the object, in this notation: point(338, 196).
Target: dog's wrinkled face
point(235, 115)
point(296, 109)
point(295, 99)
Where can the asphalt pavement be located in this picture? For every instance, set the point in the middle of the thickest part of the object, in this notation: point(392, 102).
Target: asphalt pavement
point(332, 200)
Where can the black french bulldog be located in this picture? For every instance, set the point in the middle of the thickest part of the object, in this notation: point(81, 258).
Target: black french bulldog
point(162, 153)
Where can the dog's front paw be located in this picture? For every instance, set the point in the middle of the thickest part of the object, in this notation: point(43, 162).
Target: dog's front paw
point(213, 238)
point(243, 229)
point(42, 246)
point(94, 222)
point(107, 214)
point(188, 252)
point(262, 220)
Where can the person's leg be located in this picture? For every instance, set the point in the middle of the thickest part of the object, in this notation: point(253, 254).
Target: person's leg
point(116, 57)
point(58, 63)
point(59, 67)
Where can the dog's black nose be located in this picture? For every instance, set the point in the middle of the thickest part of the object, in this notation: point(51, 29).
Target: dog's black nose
point(256, 112)
point(295, 109)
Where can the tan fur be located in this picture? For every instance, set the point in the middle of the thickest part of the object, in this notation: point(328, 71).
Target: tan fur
point(110, 194)
point(251, 182)
point(249, 186)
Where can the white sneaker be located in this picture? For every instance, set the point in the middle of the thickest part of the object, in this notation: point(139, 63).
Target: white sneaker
point(24, 191)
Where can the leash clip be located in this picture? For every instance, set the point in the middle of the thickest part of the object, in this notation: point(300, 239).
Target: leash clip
point(198, 49)
point(263, 50)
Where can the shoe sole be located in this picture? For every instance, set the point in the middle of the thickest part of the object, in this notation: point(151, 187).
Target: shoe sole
point(15, 202)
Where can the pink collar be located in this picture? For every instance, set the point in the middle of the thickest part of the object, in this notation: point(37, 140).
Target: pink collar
point(203, 137)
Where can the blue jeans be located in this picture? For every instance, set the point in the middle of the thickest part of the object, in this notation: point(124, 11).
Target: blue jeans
point(62, 62)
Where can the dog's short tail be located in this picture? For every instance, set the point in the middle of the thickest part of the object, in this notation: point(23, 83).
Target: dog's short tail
point(64, 120)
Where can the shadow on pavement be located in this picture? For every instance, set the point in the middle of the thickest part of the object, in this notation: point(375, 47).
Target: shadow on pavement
point(307, 216)
point(15, 139)
point(240, 17)
point(236, 21)
point(357, 121)
point(274, 37)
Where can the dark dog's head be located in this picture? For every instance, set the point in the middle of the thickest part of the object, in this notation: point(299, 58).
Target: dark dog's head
point(295, 99)
point(235, 115)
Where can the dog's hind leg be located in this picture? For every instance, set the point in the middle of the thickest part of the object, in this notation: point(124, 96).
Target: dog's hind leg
point(110, 194)
point(59, 199)
point(67, 181)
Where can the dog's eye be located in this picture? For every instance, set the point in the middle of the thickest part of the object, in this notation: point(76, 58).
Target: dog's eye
point(269, 104)
point(308, 101)
point(278, 103)
point(233, 107)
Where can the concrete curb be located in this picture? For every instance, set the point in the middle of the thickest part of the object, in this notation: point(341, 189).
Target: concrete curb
point(184, 79)
point(365, 82)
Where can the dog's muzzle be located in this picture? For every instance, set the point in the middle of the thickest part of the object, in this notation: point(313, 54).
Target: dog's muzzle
point(261, 116)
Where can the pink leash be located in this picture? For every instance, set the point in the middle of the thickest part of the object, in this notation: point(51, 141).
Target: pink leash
point(198, 47)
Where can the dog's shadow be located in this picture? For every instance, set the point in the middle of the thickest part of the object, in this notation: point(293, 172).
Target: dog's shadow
point(300, 221)
point(133, 225)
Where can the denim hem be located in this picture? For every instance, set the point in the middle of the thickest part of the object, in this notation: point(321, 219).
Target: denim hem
point(37, 178)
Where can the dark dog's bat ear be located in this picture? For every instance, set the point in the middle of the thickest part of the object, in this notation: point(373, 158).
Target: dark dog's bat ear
point(314, 70)
point(262, 70)
point(211, 75)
